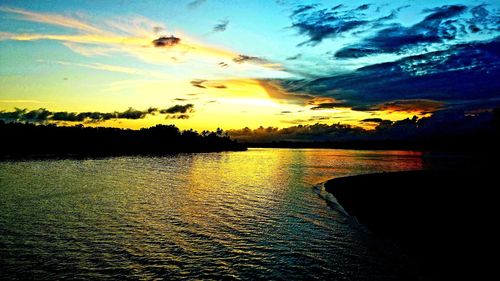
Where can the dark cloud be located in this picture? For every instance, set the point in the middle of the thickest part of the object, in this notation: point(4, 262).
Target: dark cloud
point(158, 29)
point(303, 8)
point(222, 64)
point(464, 75)
point(474, 28)
point(195, 4)
point(319, 23)
point(166, 41)
point(37, 114)
point(443, 12)
point(132, 114)
point(221, 26)
point(198, 83)
point(374, 120)
point(67, 116)
point(445, 125)
point(178, 116)
point(245, 58)
point(415, 105)
point(297, 56)
point(479, 11)
point(152, 110)
point(43, 115)
point(363, 7)
point(484, 20)
point(441, 25)
point(187, 108)
point(338, 7)
point(326, 105)
point(316, 132)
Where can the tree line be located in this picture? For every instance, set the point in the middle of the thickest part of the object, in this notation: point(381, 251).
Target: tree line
point(26, 139)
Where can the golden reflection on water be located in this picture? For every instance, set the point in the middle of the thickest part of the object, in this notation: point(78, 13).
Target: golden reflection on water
point(261, 183)
point(236, 215)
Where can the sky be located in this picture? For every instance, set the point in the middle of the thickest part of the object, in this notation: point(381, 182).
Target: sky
point(205, 64)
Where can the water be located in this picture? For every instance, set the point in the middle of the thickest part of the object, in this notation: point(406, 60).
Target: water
point(232, 215)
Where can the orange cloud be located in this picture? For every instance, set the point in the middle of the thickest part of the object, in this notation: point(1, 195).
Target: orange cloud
point(411, 106)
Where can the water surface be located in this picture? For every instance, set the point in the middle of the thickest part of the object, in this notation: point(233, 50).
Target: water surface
point(231, 215)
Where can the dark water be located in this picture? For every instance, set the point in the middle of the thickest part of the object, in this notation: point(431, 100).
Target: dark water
point(234, 215)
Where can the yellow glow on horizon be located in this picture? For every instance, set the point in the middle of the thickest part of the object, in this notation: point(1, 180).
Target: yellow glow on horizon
point(229, 104)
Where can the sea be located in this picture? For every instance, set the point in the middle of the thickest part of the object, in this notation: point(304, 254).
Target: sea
point(260, 214)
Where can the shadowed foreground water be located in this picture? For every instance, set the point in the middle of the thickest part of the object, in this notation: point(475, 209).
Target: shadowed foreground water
point(232, 215)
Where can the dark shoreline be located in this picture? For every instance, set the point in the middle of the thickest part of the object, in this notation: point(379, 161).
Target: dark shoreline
point(49, 141)
point(442, 219)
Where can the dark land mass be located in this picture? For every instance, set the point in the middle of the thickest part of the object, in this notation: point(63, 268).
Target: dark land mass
point(29, 140)
point(444, 220)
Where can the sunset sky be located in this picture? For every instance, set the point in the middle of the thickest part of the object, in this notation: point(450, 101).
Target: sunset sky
point(216, 63)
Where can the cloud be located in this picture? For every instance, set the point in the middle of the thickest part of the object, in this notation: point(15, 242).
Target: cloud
point(416, 105)
point(88, 50)
point(133, 36)
point(187, 108)
point(37, 114)
point(43, 115)
point(363, 7)
point(221, 26)
point(133, 114)
point(53, 19)
point(297, 56)
point(306, 133)
point(165, 41)
point(111, 68)
point(443, 12)
point(463, 76)
point(179, 116)
point(158, 29)
point(375, 120)
point(137, 37)
point(258, 61)
point(125, 35)
point(320, 23)
point(203, 84)
point(442, 25)
point(245, 58)
point(326, 105)
point(198, 83)
point(446, 125)
point(382, 34)
point(302, 9)
point(195, 4)
point(278, 92)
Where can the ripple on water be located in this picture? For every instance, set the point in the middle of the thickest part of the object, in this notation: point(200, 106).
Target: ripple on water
point(234, 215)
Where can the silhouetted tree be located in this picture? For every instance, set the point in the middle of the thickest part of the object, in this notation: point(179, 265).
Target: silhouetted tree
point(35, 140)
